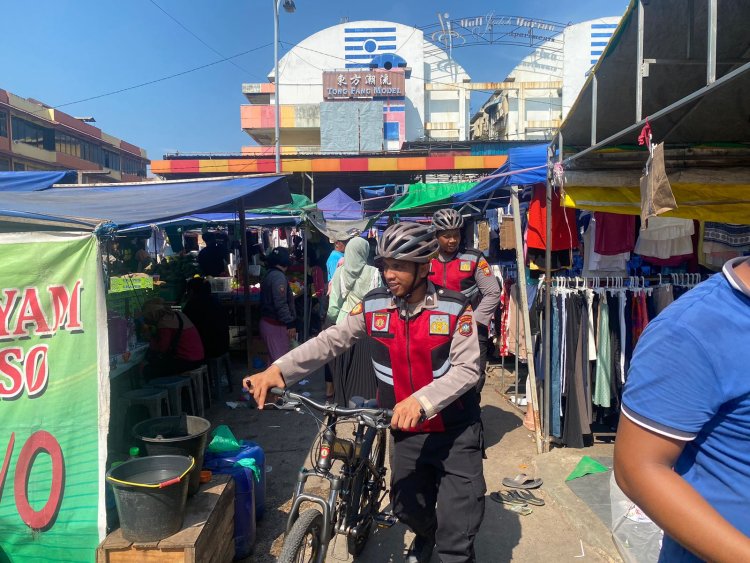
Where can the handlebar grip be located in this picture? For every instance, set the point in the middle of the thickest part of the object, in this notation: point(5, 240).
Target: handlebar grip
point(278, 391)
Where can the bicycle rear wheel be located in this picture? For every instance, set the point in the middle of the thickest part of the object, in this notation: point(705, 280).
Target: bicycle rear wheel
point(366, 489)
point(303, 543)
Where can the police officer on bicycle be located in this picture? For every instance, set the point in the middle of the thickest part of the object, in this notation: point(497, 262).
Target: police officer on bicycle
point(465, 270)
point(426, 359)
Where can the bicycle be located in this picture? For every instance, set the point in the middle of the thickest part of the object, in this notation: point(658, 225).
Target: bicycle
point(356, 490)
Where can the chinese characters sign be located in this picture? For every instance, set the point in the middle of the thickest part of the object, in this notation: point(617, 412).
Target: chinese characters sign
point(363, 84)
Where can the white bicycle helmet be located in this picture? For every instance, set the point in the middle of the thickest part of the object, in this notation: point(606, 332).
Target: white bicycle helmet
point(407, 241)
point(447, 220)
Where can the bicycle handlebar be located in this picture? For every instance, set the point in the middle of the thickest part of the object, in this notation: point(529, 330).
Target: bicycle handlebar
point(331, 409)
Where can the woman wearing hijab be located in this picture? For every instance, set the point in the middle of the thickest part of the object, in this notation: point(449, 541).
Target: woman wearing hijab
point(353, 374)
point(176, 345)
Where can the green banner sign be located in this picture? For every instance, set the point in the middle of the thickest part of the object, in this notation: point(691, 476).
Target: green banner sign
point(50, 453)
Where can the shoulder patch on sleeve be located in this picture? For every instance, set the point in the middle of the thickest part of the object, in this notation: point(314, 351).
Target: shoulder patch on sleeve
point(484, 266)
point(465, 327)
point(357, 309)
point(282, 289)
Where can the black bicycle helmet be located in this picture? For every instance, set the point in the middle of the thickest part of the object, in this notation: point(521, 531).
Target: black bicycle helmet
point(447, 220)
point(407, 241)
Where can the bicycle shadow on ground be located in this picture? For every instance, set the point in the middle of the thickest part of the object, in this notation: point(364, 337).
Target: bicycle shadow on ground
point(499, 534)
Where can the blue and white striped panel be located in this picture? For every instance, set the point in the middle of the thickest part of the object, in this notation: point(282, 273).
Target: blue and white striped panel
point(601, 33)
point(361, 44)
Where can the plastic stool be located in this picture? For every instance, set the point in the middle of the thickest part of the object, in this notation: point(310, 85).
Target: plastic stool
point(201, 388)
point(156, 402)
point(176, 386)
point(217, 367)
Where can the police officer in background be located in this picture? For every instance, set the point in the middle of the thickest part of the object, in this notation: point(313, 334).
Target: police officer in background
point(465, 270)
point(426, 360)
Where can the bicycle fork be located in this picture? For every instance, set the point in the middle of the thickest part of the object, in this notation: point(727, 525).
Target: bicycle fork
point(327, 506)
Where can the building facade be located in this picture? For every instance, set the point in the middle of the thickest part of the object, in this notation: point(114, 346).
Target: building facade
point(34, 136)
point(365, 86)
point(536, 96)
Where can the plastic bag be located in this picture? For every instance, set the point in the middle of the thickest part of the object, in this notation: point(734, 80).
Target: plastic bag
point(637, 538)
point(223, 440)
point(249, 463)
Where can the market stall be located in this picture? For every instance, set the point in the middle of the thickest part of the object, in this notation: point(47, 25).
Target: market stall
point(56, 352)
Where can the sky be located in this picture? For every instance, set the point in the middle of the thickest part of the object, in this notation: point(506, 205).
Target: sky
point(63, 51)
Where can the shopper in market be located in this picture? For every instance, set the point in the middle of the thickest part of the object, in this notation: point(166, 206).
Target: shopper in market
point(339, 245)
point(212, 258)
point(682, 451)
point(353, 374)
point(277, 311)
point(176, 345)
point(426, 359)
point(209, 317)
point(466, 270)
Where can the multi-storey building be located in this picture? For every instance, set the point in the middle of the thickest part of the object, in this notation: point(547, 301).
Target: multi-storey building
point(34, 136)
point(538, 93)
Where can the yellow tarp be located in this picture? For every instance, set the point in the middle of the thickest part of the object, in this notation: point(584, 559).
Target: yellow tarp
point(724, 203)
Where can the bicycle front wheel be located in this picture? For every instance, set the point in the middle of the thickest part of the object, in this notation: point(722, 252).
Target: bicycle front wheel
point(303, 543)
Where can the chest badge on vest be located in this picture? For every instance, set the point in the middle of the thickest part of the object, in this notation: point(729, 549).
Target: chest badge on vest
point(464, 266)
point(439, 324)
point(464, 326)
point(380, 322)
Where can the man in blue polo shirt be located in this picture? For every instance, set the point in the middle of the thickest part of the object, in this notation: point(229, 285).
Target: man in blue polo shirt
point(683, 445)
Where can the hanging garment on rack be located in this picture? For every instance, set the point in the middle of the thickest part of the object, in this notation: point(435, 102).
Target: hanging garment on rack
point(639, 316)
point(595, 264)
point(721, 242)
point(603, 377)
point(615, 234)
point(578, 410)
point(554, 386)
point(666, 237)
point(563, 228)
point(516, 338)
point(663, 296)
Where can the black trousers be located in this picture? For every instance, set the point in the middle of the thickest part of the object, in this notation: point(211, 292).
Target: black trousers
point(438, 487)
point(483, 337)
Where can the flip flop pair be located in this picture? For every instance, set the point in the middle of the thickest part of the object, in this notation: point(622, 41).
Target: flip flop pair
point(511, 502)
point(522, 481)
point(526, 497)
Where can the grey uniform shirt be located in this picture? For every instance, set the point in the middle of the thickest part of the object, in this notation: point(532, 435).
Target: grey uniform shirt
point(488, 288)
point(460, 377)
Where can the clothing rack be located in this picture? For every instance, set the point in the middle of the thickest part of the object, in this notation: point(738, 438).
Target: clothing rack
point(630, 282)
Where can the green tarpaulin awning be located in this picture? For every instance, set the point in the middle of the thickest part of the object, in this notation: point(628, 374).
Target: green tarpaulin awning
point(299, 204)
point(426, 195)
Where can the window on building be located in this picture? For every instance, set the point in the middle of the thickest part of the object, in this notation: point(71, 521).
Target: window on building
point(133, 166)
point(3, 124)
point(4, 165)
point(19, 167)
point(67, 144)
point(32, 134)
point(111, 160)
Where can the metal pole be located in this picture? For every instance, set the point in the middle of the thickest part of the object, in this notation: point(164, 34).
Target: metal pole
point(594, 95)
point(531, 402)
point(691, 23)
point(245, 283)
point(639, 66)
point(711, 40)
point(277, 117)
point(305, 292)
point(547, 300)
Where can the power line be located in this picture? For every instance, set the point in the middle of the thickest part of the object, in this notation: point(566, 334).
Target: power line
point(162, 79)
point(178, 22)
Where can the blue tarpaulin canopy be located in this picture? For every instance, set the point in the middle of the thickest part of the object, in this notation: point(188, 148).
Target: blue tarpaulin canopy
point(526, 165)
point(338, 206)
point(33, 181)
point(145, 202)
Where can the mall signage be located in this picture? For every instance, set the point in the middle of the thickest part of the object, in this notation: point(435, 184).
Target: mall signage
point(363, 84)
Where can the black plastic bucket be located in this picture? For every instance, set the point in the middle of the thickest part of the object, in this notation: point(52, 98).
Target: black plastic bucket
point(150, 494)
point(176, 435)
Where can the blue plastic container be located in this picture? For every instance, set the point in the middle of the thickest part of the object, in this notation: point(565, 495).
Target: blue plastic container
point(250, 495)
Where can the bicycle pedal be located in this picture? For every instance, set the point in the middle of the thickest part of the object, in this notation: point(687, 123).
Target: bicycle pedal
point(385, 519)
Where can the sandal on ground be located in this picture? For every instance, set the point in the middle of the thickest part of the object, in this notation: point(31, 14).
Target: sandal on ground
point(527, 497)
point(503, 497)
point(522, 509)
point(522, 481)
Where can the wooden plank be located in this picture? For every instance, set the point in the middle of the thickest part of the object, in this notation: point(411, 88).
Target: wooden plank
point(220, 527)
point(198, 512)
point(142, 556)
point(115, 540)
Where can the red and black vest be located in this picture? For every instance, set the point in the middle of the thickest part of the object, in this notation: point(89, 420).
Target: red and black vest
point(458, 274)
point(409, 354)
